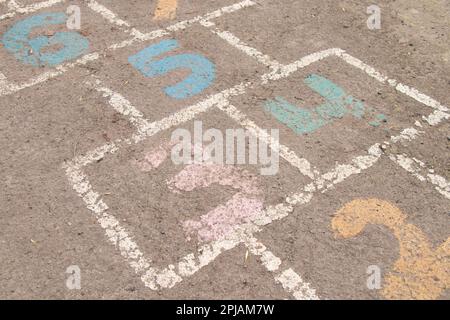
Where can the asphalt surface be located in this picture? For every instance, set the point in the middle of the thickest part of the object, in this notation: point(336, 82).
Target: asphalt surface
point(358, 209)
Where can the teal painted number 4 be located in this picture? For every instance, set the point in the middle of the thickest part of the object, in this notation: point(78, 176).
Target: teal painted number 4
point(337, 105)
point(202, 70)
point(68, 45)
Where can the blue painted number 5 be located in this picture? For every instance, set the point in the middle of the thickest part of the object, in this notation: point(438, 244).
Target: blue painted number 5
point(202, 70)
point(31, 51)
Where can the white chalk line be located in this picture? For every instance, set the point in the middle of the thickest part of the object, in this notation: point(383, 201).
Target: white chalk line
point(290, 280)
point(13, 5)
point(182, 25)
point(400, 87)
point(212, 15)
point(287, 70)
point(419, 170)
point(16, 8)
point(301, 164)
point(240, 45)
point(121, 105)
point(7, 87)
point(110, 16)
point(113, 18)
point(37, 6)
point(416, 167)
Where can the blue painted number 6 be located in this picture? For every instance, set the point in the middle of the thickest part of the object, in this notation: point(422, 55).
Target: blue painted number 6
point(202, 70)
point(30, 51)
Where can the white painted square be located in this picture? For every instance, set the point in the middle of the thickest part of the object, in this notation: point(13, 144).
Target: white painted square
point(18, 13)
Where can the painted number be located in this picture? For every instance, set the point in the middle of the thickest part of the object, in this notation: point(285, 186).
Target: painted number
point(202, 70)
point(244, 206)
point(421, 271)
point(308, 120)
point(68, 45)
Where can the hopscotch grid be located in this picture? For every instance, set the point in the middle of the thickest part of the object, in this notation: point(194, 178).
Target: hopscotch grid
point(167, 278)
point(95, 203)
point(279, 71)
point(7, 87)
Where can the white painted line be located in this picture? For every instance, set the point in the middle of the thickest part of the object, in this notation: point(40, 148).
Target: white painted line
point(240, 45)
point(13, 5)
point(361, 65)
point(289, 279)
point(7, 15)
point(182, 25)
point(342, 172)
point(167, 278)
point(419, 170)
point(38, 6)
point(155, 278)
point(108, 14)
point(139, 37)
point(268, 259)
point(212, 15)
point(121, 105)
point(400, 87)
point(406, 135)
point(92, 156)
point(436, 117)
point(420, 97)
point(301, 164)
point(3, 78)
point(112, 18)
point(116, 234)
point(294, 284)
point(7, 87)
point(191, 112)
point(287, 70)
point(16, 8)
